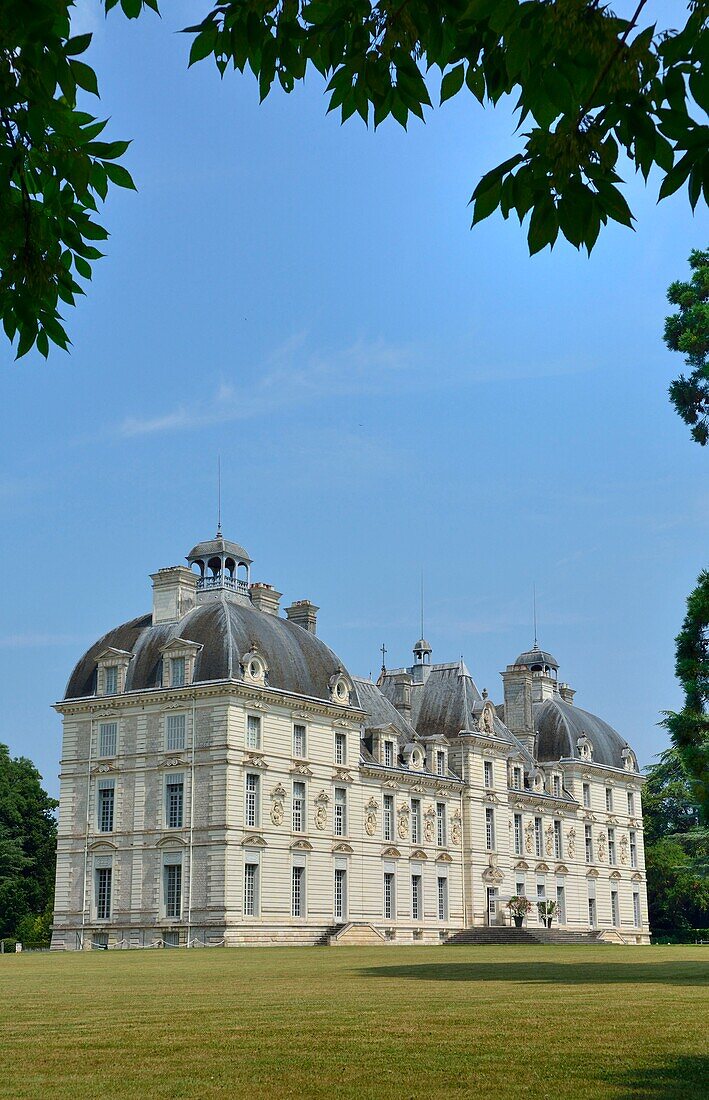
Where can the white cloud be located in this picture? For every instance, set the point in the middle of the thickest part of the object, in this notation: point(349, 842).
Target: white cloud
point(292, 376)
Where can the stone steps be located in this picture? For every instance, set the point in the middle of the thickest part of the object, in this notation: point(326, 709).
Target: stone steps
point(504, 936)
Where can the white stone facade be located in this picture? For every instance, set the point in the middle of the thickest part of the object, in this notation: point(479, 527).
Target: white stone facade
point(201, 807)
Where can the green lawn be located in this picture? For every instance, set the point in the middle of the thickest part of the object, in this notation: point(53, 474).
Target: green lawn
point(401, 1022)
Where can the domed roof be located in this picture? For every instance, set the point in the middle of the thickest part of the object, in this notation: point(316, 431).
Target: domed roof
point(422, 646)
point(297, 660)
point(537, 656)
point(560, 724)
point(216, 547)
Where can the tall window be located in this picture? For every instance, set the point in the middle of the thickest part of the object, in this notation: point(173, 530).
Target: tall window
point(174, 801)
point(175, 732)
point(415, 820)
point(541, 889)
point(520, 887)
point(297, 890)
point(636, 909)
point(518, 835)
point(340, 748)
point(251, 808)
point(489, 828)
point(631, 803)
point(340, 811)
point(517, 778)
point(442, 898)
point(556, 785)
point(177, 672)
point(107, 738)
point(558, 853)
point(441, 824)
point(587, 794)
point(615, 915)
point(389, 754)
point(388, 817)
point(560, 905)
point(299, 740)
point(388, 895)
point(106, 792)
point(104, 876)
point(633, 849)
point(487, 771)
point(538, 845)
point(440, 762)
point(609, 799)
point(340, 893)
point(110, 679)
point(416, 892)
point(611, 846)
point(588, 840)
point(592, 912)
point(250, 889)
point(253, 731)
point(298, 813)
point(173, 890)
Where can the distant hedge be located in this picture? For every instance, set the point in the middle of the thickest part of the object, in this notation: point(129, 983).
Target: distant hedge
point(682, 935)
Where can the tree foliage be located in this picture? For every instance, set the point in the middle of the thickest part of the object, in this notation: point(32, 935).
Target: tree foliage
point(590, 88)
point(689, 727)
point(676, 847)
point(687, 331)
point(28, 836)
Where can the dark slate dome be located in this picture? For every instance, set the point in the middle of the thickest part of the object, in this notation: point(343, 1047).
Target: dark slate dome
point(216, 547)
point(297, 660)
point(536, 656)
point(560, 724)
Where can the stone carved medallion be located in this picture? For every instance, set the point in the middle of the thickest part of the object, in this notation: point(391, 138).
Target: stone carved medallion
point(321, 810)
point(403, 826)
point(571, 842)
point(370, 817)
point(277, 812)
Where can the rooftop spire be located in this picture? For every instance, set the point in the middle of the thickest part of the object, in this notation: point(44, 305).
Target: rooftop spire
point(534, 602)
point(219, 496)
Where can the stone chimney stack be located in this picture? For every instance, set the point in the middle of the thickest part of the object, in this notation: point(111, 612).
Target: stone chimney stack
point(402, 693)
point(265, 598)
point(517, 680)
point(303, 613)
point(567, 693)
point(174, 593)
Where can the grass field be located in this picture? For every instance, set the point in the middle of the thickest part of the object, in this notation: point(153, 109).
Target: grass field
point(400, 1022)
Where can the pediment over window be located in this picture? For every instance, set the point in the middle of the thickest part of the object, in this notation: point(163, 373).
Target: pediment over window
point(391, 853)
point(102, 846)
point(561, 869)
point(521, 865)
point(301, 846)
point(170, 842)
point(254, 841)
point(181, 645)
point(615, 875)
point(343, 849)
point(592, 873)
point(444, 857)
point(418, 854)
point(543, 868)
point(637, 877)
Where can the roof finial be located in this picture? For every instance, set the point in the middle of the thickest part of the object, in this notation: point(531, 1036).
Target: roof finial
point(219, 496)
point(534, 600)
point(384, 653)
point(422, 630)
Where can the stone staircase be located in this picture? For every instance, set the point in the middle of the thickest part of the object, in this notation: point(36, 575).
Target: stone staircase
point(505, 936)
point(356, 934)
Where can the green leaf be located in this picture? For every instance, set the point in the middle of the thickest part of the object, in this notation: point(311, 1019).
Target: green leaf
point(203, 44)
point(452, 82)
point(77, 45)
point(119, 175)
point(84, 76)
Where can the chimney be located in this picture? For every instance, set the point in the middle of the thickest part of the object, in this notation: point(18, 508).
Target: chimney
point(265, 598)
point(303, 613)
point(567, 693)
point(402, 693)
point(517, 680)
point(174, 593)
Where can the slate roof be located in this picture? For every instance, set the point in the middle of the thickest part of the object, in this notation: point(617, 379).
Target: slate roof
point(537, 656)
point(298, 661)
point(380, 710)
point(216, 547)
point(559, 724)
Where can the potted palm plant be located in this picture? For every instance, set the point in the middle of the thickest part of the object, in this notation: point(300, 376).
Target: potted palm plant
point(546, 910)
point(519, 907)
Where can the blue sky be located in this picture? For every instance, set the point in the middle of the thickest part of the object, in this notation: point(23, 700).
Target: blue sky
point(389, 392)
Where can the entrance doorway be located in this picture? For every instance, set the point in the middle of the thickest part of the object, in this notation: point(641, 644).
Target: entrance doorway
point(492, 904)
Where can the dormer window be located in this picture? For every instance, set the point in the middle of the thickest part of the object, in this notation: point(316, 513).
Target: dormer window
point(388, 754)
point(440, 762)
point(556, 786)
point(178, 662)
point(517, 778)
point(487, 773)
point(585, 747)
point(111, 669)
point(254, 667)
point(340, 688)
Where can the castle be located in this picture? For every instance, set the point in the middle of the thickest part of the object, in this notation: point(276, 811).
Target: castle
point(226, 779)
